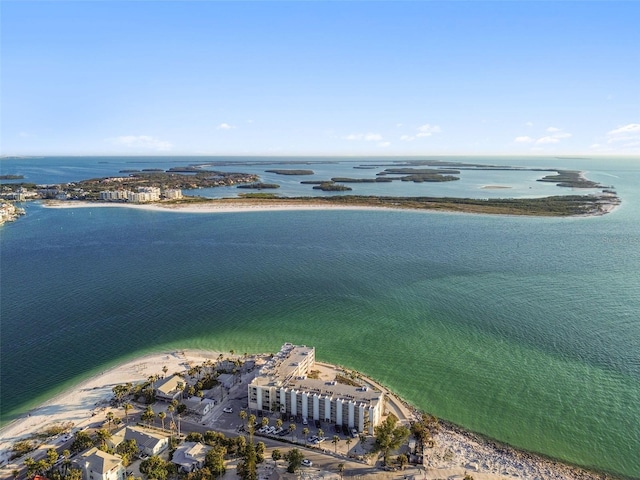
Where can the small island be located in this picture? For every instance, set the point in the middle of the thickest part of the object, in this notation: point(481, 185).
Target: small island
point(259, 186)
point(291, 172)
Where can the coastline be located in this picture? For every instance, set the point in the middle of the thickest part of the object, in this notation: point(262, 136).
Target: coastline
point(456, 451)
point(607, 204)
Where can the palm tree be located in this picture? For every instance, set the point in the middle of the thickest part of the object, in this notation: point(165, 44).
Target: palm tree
point(127, 406)
point(335, 441)
point(320, 432)
point(292, 428)
point(165, 370)
point(162, 416)
point(110, 418)
point(279, 423)
point(341, 469)
point(102, 436)
point(264, 422)
point(243, 416)
point(348, 442)
point(305, 432)
point(251, 427)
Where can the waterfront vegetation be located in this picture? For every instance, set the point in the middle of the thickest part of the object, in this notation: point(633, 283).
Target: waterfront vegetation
point(259, 186)
point(290, 172)
point(332, 187)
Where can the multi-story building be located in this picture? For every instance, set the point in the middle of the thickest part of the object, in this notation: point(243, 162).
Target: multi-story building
point(99, 465)
point(114, 195)
point(282, 385)
point(172, 193)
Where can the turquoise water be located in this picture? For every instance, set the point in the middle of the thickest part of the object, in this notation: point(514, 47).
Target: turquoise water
point(523, 329)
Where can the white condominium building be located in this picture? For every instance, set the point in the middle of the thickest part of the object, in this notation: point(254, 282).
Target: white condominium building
point(282, 385)
point(172, 193)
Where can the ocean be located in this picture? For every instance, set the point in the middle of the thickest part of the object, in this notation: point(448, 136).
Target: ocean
point(523, 329)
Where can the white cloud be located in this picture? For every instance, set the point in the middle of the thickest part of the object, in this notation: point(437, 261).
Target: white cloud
point(384, 144)
point(142, 141)
point(549, 139)
point(555, 136)
point(225, 126)
point(427, 130)
point(367, 137)
point(628, 135)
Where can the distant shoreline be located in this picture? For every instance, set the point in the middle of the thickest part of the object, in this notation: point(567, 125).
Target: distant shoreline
point(561, 206)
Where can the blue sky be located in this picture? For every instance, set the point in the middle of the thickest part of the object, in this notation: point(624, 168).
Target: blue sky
point(320, 78)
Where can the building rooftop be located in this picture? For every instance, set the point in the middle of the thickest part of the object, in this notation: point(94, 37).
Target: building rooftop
point(285, 365)
point(336, 390)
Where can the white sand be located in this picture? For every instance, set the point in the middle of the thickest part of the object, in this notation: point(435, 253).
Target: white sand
point(88, 402)
point(212, 206)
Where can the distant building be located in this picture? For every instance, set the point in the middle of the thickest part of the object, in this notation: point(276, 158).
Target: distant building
point(99, 465)
point(114, 195)
point(282, 384)
point(172, 193)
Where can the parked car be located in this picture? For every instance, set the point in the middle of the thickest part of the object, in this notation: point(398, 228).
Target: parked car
point(354, 433)
point(307, 463)
point(227, 410)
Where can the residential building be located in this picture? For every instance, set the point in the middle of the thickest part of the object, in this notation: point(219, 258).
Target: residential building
point(198, 406)
point(99, 465)
point(169, 388)
point(149, 442)
point(190, 456)
point(172, 193)
point(282, 385)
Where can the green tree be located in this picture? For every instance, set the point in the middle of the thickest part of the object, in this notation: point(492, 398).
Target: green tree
point(247, 468)
point(157, 468)
point(110, 418)
point(127, 406)
point(162, 416)
point(276, 455)
point(348, 442)
point(148, 415)
point(264, 422)
point(341, 469)
point(389, 436)
point(81, 441)
point(243, 416)
point(294, 457)
point(335, 441)
point(305, 432)
point(214, 460)
point(320, 433)
point(279, 423)
point(260, 449)
point(292, 428)
point(402, 461)
point(251, 427)
point(102, 436)
point(127, 450)
point(194, 437)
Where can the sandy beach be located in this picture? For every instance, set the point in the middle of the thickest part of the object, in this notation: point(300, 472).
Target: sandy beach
point(455, 453)
point(607, 204)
